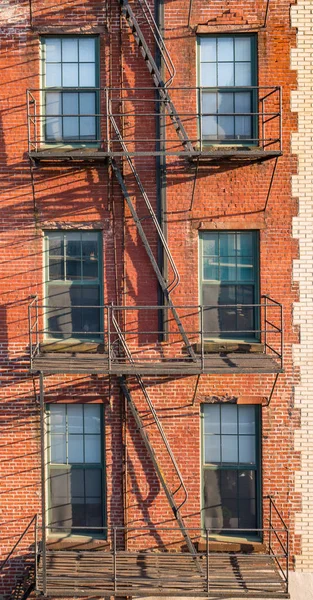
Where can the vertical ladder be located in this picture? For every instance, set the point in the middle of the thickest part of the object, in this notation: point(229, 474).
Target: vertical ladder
point(138, 420)
point(166, 287)
point(161, 86)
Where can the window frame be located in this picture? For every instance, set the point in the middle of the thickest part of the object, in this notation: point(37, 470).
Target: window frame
point(78, 532)
point(240, 466)
point(256, 282)
point(63, 143)
point(254, 94)
point(83, 339)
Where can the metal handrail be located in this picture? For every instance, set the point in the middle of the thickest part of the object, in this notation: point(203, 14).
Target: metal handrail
point(284, 546)
point(33, 520)
point(193, 532)
point(114, 103)
point(153, 412)
point(146, 11)
point(270, 330)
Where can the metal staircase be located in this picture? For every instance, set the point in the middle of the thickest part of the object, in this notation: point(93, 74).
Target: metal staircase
point(167, 287)
point(175, 506)
point(160, 84)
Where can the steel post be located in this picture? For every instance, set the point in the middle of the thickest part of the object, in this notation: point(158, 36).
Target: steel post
point(43, 485)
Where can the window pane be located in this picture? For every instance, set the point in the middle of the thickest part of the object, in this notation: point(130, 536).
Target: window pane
point(209, 103)
point(73, 269)
point(242, 48)
point(208, 75)
point(243, 73)
point(93, 512)
point(57, 418)
point(75, 418)
point(209, 128)
point(60, 503)
point(211, 413)
point(245, 244)
point(210, 268)
point(210, 243)
point(246, 419)
point(73, 245)
point(225, 49)
point(225, 102)
point(58, 448)
point(78, 509)
point(75, 448)
point(230, 513)
point(87, 75)
point(225, 74)
point(227, 244)
point(242, 102)
point(70, 75)
point(227, 269)
point(90, 269)
point(53, 75)
point(87, 128)
point(53, 49)
point(53, 126)
point(70, 103)
point(208, 49)
point(246, 484)
point(53, 103)
point(77, 482)
point(56, 269)
point(87, 49)
point(247, 514)
point(243, 128)
point(59, 313)
point(92, 449)
point(247, 449)
point(226, 127)
point(92, 418)
point(55, 244)
point(229, 481)
point(87, 104)
point(93, 482)
point(212, 451)
point(69, 50)
point(229, 448)
point(229, 418)
point(245, 269)
point(213, 514)
point(70, 128)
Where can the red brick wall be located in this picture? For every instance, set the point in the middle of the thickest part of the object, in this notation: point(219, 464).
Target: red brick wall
point(226, 197)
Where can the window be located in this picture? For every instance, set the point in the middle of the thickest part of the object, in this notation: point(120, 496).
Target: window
point(75, 467)
point(70, 65)
point(73, 290)
point(229, 276)
point(227, 69)
point(230, 466)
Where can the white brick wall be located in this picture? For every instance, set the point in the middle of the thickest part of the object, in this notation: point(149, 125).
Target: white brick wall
point(302, 185)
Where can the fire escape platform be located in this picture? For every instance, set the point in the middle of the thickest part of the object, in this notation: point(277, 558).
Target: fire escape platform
point(216, 363)
point(218, 153)
point(146, 573)
point(71, 154)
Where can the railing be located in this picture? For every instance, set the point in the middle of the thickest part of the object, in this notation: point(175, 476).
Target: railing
point(31, 554)
point(210, 328)
point(282, 541)
point(144, 16)
point(259, 128)
point(144, 541)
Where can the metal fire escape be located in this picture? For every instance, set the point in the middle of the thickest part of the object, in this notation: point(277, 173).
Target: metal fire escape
point(166, 286)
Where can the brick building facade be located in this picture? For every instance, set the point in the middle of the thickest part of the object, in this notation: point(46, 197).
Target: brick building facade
point(153, 384)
